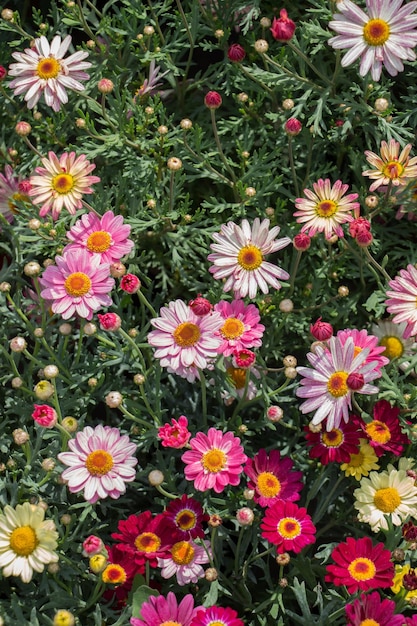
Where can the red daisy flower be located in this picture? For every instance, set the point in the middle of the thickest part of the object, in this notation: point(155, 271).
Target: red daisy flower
point(216, 616)
point(384, 431)
point(361, 565)
point(370, 609)
point(334, 446)
point(272, 479)
point(288, 526)
point(186, 517)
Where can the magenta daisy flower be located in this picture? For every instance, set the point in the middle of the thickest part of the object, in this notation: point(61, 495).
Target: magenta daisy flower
point(272, 478)
point(391, 167)
point(61, 182)
point(43, 70)
point(241, 328)
point(239, 257)
point(214, 461)
point(78, 284)
point(185, 561)
point(335, 375)
point(384, 431)
point(384, 36)
point(325, 209)
point(106, 236)
point(288, 526)
point(334, 446)
point(160, 611)
point(402, 300)
point(186, 516)
point(100, 462)
point(176, 434)
point(370, 609)
point(362, 340)
point(183, 339)
point(217, 616)
point(359, 565)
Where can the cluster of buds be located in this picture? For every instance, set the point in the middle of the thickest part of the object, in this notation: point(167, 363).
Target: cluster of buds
point(360, 229)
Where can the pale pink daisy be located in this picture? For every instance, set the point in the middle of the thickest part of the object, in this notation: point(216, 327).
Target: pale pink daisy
point(100, 462)
point(43, 70)
point(362, 340)
point(384, 36)
point(185, 561)
point(325, 208)
point(161, 611)
point(214, 461)
point(62, 182)
point(78, 284)
point(183, 339)
point(391, 166)
point(241, 328)
point(11, 191)
point(239, 256)
point(334, 376)
point(106, 236)
point(402, 300)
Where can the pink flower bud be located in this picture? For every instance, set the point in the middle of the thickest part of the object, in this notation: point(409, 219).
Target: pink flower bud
point(24, 186)
point(364, 238)
point(45, 415)
point(105, 85)
point(359, 224)
point(322, 331)
point(282, 28)
point(200, 306)
point(130, 283)
point(301, 242)
point(355, 381)
point(274, 413)
point(23, 128)
point(293, 126)
point(92, 545)
point(244, 358)
point(109, 321)
point(213, 100)
point(245, 516)
point(3, 72)
point(236, 53)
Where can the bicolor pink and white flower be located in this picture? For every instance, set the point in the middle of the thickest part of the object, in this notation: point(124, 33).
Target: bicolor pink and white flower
point(402, 300)
point(362, 340)
point(159, 611)
point(383, 36)
point(185, 561)
point(43, 69)
point(391, 166)
point(78, 284)
point(10, 192)
point(100, 463)
point(239, 257)
point(241, 328)
point(217, 616)
point(106, 236)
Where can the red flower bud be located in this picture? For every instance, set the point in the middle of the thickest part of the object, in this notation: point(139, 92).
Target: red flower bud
point(236, 53)
point(301, 242)
point(364, 238)
point(355, 381)
point(213, 100)
point(200, 306)
point(109, 321)
point(3, 72)
point(360, 223)
point(130, 283)
point(322, 331)
point(293, 126)
point(282, 28)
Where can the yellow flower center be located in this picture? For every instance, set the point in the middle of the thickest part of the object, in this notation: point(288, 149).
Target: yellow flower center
point(114, 574)
point(16, 197)
point(186, 519)
point(336, 384)
point(356, 460)
point(99, 462)
point(182, 553)
point(378, 431)
point(48, 68)
point(62, 183)
point(387, 499)
point(393, 347)
point(100, 241)
point(362, 569)
point(214, 460)
point(216, 623)
point(77, 284)
point(232, 328)
point(23, 540)
point(268, 485)
point(326, 208)
point(186, 334)
point(369, 622)
point(393, 169)
point(170, 624)
point(238, 376)
point(356, 351)
point(333, 438)
point(376, 32)
point(289, 528)
point(147, 542)
point(250, 258)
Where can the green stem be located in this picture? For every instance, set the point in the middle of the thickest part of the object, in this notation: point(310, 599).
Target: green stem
point(130, 415)
point(306, 60)
point(291, 74)
point(294, 271)
point(293, 172)
point(219, 145)
point(190, 38)
point(86, 26)
point(146, 303)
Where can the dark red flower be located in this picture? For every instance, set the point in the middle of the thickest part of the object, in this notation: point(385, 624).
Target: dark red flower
point(213, 100)
point(322, 331)
point(283, 28)
point(384, 431)
point(186, 517)
point(334, 446)
point(236, 53)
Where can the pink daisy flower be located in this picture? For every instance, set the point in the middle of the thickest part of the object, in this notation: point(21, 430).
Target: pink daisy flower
point(106, 236)
point(370, 609)
point(160, 611)
point(239, 256)
point(184, 340)
point(45, 415)
point(384, 431)
point(241, 328)
point(362, 340)
point(43, 70)
point(384, 36)
point(100, 462)
point(334, 446)
point(186, 516)
point(61, 182)
point(12, 190)
point(402, 300)
point(335, 375)
point(185, 561)
point(288, 526)
point(77, 285)
point(325, 209)
point(391, 167)
point(272, 478)
point(176, 434)
point(214, 461)
point(216, 616)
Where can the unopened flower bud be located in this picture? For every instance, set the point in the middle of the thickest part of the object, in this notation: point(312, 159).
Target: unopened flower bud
point(130, 283)
point(381, 105)
point(283, 27)
point(236, 53)
point(211, 574)
point(70, 424)
point(265, 22)
point(215, 521)
point(186, 124)
point(174, 164)
point(20, 436)
point(80, 122)
point(92, 545)
point(65, 329)
point(3, 73)
point(117, 269)
point(90, 328)
point(243, 97)
point(293, 127)
point(114, 399)
point(398, 555)
point(50, 371)
point(274, 413)
point(17, 382)
point(219, 33)
point(63, 618)
point(372, 201)
point(53, 568)
point(343, 291)
point(301, 242)
point(289, 361)
point(44, 390)
point(245, 516)
point(250, 192)
point(283, 559)
point(213, 100)
point(156, 478)
point(148, 30)
point(139, 379)
point(109, 321)
point(322, 331)
point(5, 287)
point(98, 563)
point(286, 305)
point(34, 224)
point(261, 46)
point(200, 306)
point(7, 15)
point(355, 381)
point(290, 372)
point(288, 104)
point(105, 85)
point(92, 382)
point(17, 344)
point(23, 129)
point(364, 238)
point(162, 130)
point(48, 465)
point(248, 494)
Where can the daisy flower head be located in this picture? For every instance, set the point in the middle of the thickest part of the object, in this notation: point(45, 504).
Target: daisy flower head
point(326, 208)
point(240, 328)
point(186, 516)
point(216, 616)
point(402, 300)
point(272, 478)
point(159, 611)
point(78, 284)
point(392, 168)
point(383, 36)
point(118, 574)
point(106, 236)
point(370, 609)
point(183, 340)
point(239, 257)
point(27, 541)
point(288, 526)
point(361, 340)
point(384, 431)
point(389, 494)
point(10, 192)
point(185, 561)
point(240, 380)
point(336, 373)
point(100, 463)
point(44, 70)
point(361, 462)
point(359, 565)
point(391, 337)
point(61, 183)
point(214, 461)
point(176, 434)
point(333, 446)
